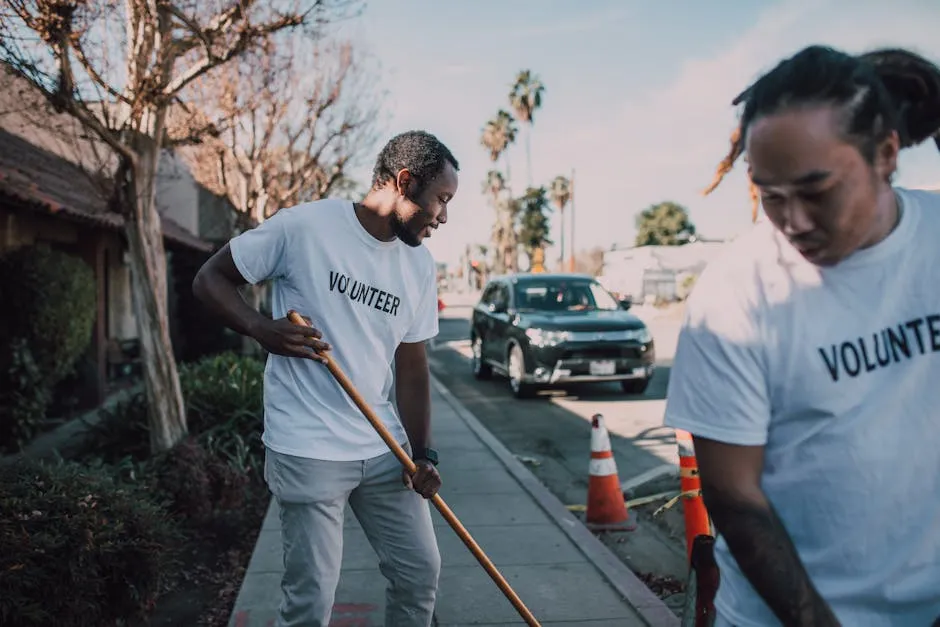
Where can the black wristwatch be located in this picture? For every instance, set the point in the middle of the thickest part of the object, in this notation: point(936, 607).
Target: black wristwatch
point(428, 454)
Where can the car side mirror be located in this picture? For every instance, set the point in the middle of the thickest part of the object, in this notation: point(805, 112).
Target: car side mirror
point(626, 303)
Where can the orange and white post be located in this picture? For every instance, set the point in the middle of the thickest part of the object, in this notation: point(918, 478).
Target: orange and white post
point(690, 485)
point(704, 577)
point(606, 508)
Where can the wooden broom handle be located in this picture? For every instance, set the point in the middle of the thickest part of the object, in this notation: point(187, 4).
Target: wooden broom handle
point(410, 466)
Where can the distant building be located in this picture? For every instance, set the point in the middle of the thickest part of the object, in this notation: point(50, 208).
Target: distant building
point(649, 273)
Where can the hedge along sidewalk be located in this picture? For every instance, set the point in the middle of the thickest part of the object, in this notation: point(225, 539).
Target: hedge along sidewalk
point(74, 434)
point(557, 567)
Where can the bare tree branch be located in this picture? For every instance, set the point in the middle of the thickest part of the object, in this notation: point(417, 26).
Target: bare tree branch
point(139, 56)
point(294, 129)
point(249, 35)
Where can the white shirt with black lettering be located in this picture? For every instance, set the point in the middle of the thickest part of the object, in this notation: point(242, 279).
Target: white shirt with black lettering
point(836, 371)
point(365, 295)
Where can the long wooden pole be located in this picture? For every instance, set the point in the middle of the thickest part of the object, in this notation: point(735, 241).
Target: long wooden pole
point(409, 465)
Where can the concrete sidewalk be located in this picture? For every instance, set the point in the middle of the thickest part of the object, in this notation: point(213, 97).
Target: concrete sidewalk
point(558, 568)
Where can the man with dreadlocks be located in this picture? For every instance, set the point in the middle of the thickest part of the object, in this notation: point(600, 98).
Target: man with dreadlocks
point(808, 366)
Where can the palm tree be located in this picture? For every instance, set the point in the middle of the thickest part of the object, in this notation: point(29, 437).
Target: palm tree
point(497, 134)
point(525, 97)
point(494, 184)
point(560, 192)
point(496, 137)
point(534, 224)
point(504, 235)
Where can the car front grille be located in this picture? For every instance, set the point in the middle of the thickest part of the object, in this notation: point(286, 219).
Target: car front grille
point(625, 335)
point(612, 352)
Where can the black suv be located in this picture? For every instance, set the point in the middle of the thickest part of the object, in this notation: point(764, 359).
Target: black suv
point(550, 329)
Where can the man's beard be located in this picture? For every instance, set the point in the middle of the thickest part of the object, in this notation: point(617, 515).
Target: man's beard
point(402, 232)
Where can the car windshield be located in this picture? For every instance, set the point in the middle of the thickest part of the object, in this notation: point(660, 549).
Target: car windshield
point(563, 296)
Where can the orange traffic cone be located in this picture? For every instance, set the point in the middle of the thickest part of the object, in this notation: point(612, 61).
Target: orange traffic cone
point(606, 509)
point(696, 516)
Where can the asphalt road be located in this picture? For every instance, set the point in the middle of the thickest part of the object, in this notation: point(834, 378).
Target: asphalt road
point(551, 433)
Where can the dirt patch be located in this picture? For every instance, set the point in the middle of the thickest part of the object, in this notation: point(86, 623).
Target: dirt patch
point(654, 554)
point(213, 565)
point(664, 512)
point(655, 551)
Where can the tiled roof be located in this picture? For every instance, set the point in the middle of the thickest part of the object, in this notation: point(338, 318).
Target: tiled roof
point(43, 161)
point(51, 184)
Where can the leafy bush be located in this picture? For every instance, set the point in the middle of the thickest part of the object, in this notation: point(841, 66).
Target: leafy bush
point(225, 405)
point(24, 397)
point(77, 547)
point(42, 336)
point(194, 483)
point(55, 310)
point(198, 485)
point(205, 477)
point(122, 431)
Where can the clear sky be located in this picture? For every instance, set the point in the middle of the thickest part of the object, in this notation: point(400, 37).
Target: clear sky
point(637, 97)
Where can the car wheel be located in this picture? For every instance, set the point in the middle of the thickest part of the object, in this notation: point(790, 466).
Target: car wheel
point(634, 386)
point(520, 389)
point(481, 369)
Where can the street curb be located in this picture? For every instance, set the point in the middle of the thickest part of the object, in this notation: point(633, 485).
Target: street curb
point(650, 607)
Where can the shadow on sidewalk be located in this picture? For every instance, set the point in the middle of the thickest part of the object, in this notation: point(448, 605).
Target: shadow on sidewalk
point(554, 442)
point(610, 393)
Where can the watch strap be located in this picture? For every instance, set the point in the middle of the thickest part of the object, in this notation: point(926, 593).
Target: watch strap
point(426, 454)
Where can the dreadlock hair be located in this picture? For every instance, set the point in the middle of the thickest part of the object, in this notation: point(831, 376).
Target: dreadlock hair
point(881, 91)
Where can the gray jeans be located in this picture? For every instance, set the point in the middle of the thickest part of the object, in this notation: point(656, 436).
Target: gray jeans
point(312, 496)
point(721, 621)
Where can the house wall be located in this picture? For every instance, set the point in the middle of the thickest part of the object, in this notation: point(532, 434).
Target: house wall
point(177, 192)
point(216, 217)
point(17, 230)
point(122, 324)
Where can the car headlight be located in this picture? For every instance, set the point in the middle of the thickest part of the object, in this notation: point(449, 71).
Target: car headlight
point(643, 336)
point(541, 337)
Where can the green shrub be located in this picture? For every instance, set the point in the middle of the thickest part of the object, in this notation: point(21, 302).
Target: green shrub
point(77, 547)
point(206, 476)
point(122, 431)
point(224, 397)
point(55, 297)
point(198, 486)
point(207, 473)
point(194, 482)
point(24, 397)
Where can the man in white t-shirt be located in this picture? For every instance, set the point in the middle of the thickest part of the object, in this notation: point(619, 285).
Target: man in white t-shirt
point(360, 275)
point(808, 366)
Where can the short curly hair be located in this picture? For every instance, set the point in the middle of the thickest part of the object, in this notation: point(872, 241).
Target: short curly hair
point(420, 152)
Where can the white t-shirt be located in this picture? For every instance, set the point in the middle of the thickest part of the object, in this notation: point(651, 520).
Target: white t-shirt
point(836, 372)
point(365, 295)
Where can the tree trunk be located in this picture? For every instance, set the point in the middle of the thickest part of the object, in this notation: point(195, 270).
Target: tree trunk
point(528, 152)
point(513, 242)
point(561, 239)
point(510, 250)
point(135, 189)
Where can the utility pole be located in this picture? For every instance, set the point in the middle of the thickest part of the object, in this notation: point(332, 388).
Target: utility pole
point(571, 211)
point(468, 268)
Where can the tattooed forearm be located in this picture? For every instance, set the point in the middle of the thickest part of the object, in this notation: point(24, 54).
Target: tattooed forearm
point(766, 555)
